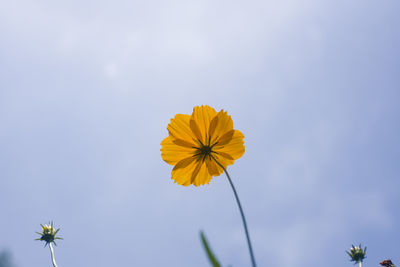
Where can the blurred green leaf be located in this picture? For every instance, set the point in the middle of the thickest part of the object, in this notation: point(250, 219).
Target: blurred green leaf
point(207, 248)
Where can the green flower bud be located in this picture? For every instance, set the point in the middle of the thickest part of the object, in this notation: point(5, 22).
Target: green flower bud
point(357, 254)
point(48, 234)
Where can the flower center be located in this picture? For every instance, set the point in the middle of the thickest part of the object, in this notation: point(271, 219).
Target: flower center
point(205, 150)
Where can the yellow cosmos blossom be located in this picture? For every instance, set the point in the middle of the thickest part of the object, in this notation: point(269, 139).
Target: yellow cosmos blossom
point(201, 145)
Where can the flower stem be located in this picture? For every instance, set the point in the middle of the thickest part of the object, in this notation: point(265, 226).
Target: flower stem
point(52, 255)
point(253, 261)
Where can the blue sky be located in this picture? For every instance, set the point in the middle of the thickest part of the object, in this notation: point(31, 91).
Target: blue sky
point(88, 88)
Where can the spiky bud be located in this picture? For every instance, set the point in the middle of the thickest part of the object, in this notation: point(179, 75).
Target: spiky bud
point(357, 254)
point(48, 234)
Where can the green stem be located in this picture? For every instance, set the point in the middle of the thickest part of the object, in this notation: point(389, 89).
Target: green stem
point(52, 255)
point(253, 261)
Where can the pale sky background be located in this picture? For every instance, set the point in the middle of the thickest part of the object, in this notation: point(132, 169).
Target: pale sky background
point(87, 89)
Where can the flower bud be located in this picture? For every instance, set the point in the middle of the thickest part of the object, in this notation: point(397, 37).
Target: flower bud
point(48, 234)
point(357, 254)
point(387, 263)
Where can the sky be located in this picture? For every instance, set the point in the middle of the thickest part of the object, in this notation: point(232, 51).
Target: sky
point(87, 89)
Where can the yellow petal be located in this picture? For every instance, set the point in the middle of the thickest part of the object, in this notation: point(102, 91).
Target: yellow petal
point(223, 161)
point(183, 170)
point(181, 142)
point(213, 168)
point(173, 153)
point(202, 116)
point(226, 138)
point(196, 131)
point(213, 126)
point(232, 150)
point(223, 124)
point(225, 155)
point(196, 170)
point(191, 171)
point(179, 128)
point(202, 176)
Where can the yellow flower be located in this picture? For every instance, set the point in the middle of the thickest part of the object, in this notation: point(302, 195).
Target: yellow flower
point(197, 143)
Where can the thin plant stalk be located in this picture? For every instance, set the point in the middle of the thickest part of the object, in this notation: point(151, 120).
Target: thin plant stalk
point(52, 255)
point(253, 261)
